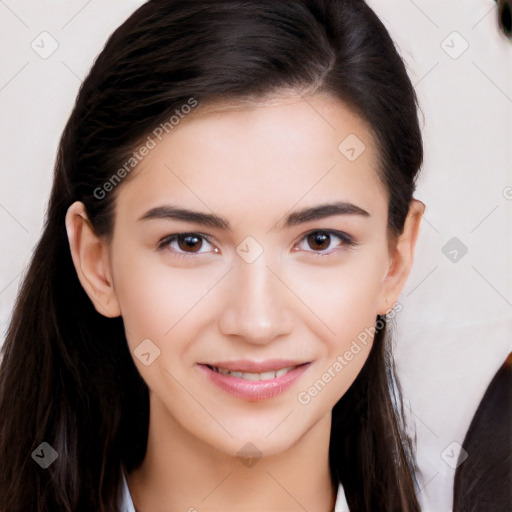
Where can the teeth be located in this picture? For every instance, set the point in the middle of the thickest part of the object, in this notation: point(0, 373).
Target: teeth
point(250, 376)
point(255, 376)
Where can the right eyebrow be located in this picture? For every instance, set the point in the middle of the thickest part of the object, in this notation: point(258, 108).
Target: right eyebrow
point(172, 212)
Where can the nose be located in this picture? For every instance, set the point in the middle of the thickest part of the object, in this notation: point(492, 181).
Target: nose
point(257, 307)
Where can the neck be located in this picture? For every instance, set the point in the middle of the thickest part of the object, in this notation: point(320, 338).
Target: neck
point(180, 472)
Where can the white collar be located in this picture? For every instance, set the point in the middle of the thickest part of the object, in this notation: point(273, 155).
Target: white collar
point(126, 504)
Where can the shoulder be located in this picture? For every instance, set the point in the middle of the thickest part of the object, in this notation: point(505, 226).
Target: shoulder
point(486, 474)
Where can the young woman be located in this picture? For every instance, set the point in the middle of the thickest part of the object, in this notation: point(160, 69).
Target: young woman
point(203, 323)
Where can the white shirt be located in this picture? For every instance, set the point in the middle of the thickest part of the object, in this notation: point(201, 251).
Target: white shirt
point(126, 504)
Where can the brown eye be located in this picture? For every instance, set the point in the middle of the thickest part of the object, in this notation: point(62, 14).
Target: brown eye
point(325, 242)
point(319, 240)
point(183, 244)
point(189, 242)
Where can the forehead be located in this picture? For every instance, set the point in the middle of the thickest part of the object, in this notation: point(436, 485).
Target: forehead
point(263, 157)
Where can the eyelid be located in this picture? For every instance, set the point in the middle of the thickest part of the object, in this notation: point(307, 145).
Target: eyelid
point(166, 241)
point(346, 239)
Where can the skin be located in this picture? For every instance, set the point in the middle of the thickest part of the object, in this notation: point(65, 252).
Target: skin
point(252, 165)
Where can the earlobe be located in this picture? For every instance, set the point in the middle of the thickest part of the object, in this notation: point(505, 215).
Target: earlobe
point(402, 258)
point(91, 261)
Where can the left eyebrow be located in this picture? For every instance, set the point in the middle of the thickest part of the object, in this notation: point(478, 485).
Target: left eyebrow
point(323, 211)
point(293, 219)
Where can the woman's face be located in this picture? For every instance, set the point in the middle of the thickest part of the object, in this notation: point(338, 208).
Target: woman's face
point(249, 261)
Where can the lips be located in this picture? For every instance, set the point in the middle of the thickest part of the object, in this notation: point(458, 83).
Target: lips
point(251, 380)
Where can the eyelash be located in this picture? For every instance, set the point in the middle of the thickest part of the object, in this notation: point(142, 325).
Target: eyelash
point(167, 240)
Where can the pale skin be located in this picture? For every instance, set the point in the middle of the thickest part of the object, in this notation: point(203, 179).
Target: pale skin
point(298, 300)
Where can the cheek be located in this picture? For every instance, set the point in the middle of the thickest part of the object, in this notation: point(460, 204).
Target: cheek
point(345, 302)
point(154, 298)
point(343, 298)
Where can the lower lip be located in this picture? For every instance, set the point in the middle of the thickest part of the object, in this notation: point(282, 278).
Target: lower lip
point(254, 390)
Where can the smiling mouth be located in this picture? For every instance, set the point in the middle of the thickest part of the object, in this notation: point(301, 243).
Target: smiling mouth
point(267, 375)
point(252, 380)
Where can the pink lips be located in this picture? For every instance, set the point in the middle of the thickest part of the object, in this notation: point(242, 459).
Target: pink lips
point(286, 373)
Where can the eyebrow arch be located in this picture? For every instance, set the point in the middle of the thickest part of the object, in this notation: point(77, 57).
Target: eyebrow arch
point(323, 211)
point(214, 221)
point(172, 212)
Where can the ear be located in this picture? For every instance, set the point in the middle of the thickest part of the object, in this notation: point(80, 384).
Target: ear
point(91, 260)
point(402, 257)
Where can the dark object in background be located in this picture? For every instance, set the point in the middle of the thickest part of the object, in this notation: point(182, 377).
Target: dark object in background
point(505, 17)
point(483, 482)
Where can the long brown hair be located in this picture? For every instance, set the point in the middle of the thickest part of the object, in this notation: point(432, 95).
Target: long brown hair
point(66, 376)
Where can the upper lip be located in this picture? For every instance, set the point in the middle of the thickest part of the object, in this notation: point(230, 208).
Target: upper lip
point(244, 365)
